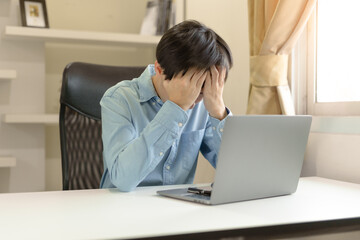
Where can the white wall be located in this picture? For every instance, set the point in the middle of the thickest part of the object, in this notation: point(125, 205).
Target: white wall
point(333, 155)
point(95, 15)
point(229, 19)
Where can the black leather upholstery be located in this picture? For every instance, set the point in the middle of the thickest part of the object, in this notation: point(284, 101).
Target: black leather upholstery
point(83, 86)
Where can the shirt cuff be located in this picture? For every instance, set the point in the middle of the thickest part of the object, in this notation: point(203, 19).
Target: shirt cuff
point(217, 125)
point(172, 117)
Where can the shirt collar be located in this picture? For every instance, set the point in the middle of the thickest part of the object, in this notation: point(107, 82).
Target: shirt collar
point(146, 86)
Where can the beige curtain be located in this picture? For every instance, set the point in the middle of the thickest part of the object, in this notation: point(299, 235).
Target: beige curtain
point(274, 28)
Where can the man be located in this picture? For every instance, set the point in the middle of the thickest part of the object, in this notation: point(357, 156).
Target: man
point(154, 126)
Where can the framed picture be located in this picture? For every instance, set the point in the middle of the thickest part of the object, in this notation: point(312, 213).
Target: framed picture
point(33, 13)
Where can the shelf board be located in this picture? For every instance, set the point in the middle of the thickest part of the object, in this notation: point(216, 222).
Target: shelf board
point(72, 36)
point(7, 74)
point(7, 162)
point(32, 118)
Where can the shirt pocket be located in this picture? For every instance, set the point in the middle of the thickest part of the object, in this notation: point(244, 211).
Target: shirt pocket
point(189, 147)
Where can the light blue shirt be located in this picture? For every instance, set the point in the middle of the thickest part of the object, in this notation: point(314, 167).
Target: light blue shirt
point(147, 142)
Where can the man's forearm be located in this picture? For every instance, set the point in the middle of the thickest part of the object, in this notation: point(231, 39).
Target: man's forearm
point(130, 160)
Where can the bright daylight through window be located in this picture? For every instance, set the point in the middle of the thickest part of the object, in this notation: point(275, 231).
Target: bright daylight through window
point(338, 49)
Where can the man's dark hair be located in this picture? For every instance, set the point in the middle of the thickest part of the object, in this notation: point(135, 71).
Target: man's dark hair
point(191, 44)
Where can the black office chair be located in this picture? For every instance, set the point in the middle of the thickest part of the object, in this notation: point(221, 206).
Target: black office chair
point(83, 86)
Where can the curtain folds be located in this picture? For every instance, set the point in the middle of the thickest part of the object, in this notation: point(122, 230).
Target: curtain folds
point(274, 28)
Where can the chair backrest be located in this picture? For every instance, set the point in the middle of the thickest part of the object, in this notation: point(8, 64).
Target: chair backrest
point(83, 86)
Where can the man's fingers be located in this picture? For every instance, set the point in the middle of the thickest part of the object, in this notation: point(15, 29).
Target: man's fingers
point(208, 79)
point(166, 83)
point(198, 74)
point(222, 73)
point(214, 74)
point(190, 73)
point(202, 79)
point(178, 75)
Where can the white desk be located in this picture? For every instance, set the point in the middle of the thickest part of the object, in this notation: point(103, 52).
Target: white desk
point(103, 213)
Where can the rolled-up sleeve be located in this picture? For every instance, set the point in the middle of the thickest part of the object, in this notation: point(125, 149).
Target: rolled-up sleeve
point(212, 139)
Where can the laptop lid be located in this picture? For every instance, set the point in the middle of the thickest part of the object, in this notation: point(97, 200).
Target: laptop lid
point(260, 156)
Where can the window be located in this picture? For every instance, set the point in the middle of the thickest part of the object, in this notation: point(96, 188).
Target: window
point(333, 47)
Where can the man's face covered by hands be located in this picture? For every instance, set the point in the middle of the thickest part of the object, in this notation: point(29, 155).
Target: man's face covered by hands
point(187, 90)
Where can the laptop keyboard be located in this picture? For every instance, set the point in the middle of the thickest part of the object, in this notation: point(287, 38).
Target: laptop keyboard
point(198, 196)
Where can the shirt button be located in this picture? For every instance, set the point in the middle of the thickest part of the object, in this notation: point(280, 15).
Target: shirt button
point(221, 130)
point(180, 124)
point(158, 100)
point(161, 153)
point(214, 128)
point(153, 103)
point(174, 142)
point(168, 167)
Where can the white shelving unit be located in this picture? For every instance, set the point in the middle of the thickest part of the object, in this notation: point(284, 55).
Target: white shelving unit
point(7, 74)
point(32, 118)
point(71, 36)
point(7, 162)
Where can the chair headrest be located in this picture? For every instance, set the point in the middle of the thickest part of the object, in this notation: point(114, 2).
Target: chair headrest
point(84, 84)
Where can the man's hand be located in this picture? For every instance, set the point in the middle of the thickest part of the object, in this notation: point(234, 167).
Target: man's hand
point(213, 92)
point(185, 89)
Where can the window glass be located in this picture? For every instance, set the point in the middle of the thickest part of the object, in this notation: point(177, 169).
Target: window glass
point(338, 51)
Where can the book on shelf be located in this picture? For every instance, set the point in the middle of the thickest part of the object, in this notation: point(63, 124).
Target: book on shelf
point(159, 17)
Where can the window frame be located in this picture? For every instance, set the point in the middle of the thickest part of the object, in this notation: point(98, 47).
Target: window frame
point(309, 63)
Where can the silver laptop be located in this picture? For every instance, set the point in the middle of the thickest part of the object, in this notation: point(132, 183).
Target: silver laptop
point(260, 156)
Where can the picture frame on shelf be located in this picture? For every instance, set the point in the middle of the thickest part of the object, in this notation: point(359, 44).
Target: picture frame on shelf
point(34, 13)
